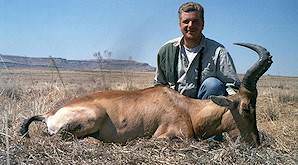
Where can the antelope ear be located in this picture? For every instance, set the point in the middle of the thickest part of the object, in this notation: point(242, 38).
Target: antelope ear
point(222, 101)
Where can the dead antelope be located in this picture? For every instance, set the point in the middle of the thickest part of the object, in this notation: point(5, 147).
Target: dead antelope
point(160, 112)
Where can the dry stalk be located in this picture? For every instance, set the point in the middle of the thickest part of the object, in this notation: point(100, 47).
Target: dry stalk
point(58, 72)
point(4, 63)
point(128, 79)
point(7, 139)
point(30, 73)
point(102, 75)
point(6, 68)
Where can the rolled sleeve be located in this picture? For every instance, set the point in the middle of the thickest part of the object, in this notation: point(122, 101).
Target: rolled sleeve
point(227, 71)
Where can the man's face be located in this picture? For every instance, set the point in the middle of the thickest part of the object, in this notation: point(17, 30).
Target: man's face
point(191, 25)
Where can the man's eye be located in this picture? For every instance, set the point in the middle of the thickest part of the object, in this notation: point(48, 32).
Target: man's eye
point(186, 21)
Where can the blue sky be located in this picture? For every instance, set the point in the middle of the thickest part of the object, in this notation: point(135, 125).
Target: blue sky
point(75, 29)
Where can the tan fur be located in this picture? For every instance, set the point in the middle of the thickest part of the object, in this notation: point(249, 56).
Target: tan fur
point(159, 112)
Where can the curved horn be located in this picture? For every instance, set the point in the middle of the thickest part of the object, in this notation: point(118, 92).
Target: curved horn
point(253, 74)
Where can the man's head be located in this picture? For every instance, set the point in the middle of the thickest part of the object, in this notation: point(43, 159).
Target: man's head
point(191, 21)
point(192, 7)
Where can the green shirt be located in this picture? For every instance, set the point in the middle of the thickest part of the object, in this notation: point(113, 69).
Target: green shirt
point(215, 62)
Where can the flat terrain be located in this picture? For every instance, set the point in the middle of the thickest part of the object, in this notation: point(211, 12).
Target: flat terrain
point(24, 93)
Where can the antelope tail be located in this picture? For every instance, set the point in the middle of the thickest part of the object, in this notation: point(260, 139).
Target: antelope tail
point(25, 125)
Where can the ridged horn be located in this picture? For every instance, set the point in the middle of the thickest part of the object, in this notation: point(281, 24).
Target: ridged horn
point(253, 74)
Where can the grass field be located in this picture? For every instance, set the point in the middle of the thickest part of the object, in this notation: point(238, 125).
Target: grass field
point(24, 93)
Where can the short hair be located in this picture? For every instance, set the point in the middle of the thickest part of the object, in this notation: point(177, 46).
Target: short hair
point(192, 7)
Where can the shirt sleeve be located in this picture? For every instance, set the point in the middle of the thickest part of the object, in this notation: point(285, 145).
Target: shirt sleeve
point(160, 78)
point(227, 71)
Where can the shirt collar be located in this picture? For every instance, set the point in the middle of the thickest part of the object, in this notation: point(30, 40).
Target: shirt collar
point(202, 42)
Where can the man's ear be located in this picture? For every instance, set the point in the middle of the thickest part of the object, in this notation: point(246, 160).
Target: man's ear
point(222, 101)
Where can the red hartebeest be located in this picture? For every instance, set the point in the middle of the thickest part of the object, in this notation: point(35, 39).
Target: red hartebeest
point(160, 112)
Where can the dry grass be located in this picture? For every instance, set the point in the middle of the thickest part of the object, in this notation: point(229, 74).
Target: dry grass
point(22, 96)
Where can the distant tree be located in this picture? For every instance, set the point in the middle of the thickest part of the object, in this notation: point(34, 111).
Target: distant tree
point(54, 65)
point(103, 80)
point(107, 54)
point(130, 58)
point(99, 59)
point(97, 55)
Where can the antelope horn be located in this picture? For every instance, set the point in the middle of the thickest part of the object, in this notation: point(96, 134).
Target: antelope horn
point(253, 74)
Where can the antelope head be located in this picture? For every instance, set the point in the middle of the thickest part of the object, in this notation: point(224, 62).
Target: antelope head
point(242, 105)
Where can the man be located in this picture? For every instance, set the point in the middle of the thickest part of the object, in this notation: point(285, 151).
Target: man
point(193, 65)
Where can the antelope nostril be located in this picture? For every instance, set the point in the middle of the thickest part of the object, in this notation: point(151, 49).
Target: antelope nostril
point(246, 110)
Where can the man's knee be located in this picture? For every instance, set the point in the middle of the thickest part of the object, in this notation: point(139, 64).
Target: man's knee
point(211, 86)
point(213, 83)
